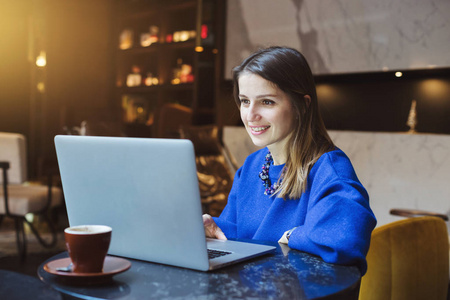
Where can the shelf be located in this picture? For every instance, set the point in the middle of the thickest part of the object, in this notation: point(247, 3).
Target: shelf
point(180, 86)
point(157, 8)
point(157, 47)
point(139, 50)
point(164, 60)
point(155, 88)
point(139, 89)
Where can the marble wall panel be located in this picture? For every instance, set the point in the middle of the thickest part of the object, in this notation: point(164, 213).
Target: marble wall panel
point(343, 36)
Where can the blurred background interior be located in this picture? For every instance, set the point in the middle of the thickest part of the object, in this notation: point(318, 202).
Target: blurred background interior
point(148, 68)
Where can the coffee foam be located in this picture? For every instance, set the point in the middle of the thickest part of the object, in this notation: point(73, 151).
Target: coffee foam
point(88, 229)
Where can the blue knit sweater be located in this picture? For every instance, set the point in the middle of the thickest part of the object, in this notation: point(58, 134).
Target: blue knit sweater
point(333, 217)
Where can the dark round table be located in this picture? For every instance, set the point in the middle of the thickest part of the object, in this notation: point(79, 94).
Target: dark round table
point(287, 274)
point(17, 286)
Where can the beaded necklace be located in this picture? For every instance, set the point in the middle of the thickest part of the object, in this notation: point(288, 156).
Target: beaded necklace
point(264, 175)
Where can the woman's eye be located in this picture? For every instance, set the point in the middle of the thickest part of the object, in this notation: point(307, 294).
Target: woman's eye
point(267, 102)
point(244, 101)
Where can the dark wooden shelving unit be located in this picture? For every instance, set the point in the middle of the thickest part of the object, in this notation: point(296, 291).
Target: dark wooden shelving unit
point(140, 103)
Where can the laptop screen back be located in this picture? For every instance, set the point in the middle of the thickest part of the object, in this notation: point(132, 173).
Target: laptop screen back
point(145, 189)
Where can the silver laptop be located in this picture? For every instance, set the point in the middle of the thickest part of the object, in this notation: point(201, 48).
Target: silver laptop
point(147, 191)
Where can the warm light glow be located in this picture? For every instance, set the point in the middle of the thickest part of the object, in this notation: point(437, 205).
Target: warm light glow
point(326, 93)
point(41, 87)
point(184, 36)
point(434, 89)
point(215, 51)
point(199, 49)
point(204, 31)
point(41, 60)
point(398, 74)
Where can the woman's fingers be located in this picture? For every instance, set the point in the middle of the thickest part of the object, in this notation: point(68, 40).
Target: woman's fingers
point(219, 234)
point(211, 228)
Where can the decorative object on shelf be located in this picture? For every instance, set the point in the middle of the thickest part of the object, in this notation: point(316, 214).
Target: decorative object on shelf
point(126, 39)
point(182, 73)
point(186, 74)
point(177, 72)
point(412, 118)
point(135, 78)
point(151, 80)
point(151, 37)
point(184, 35)
point(206, 36)
point(204, 31)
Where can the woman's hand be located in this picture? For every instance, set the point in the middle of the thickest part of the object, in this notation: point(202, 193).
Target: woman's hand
point(211, 228)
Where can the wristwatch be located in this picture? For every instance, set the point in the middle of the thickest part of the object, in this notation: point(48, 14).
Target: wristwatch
point(288, 234)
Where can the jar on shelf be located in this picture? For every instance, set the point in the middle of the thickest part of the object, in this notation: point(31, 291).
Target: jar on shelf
point(151, 80)
point(150, 37)
point(135, 78)
point(126, 39)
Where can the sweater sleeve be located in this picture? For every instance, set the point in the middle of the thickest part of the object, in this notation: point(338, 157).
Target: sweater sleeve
point(338, 224)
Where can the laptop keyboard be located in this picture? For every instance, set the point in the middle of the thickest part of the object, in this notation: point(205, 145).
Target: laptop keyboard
point(216, 253)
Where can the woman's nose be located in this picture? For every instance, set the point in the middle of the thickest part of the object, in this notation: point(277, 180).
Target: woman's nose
point(252, 114)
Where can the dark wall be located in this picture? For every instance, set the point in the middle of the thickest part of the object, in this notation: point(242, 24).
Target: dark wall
point(81, 46)
point(382, 102)
point(80, 67)
point(372, 101)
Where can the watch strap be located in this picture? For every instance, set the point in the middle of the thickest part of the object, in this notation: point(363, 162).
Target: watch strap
point(288, 234)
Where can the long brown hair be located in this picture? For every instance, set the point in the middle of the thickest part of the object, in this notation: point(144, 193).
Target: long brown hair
point(288, 69)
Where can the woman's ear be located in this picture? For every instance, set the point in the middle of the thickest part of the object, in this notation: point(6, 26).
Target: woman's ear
point(305, 108)
point(307, 100)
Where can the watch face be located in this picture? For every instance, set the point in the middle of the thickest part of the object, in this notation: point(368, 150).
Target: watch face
point(288, 235)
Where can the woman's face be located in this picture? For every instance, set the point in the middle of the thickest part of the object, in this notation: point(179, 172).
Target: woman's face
point(267, 112)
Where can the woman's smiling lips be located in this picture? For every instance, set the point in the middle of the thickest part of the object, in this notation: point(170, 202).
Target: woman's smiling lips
point(256, 130)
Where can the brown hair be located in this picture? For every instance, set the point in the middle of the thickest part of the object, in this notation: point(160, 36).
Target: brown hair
point(288, 69)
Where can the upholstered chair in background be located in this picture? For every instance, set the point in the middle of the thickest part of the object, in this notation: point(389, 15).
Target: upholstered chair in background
point(408, 259)
point(170, 119)
point(18, 197)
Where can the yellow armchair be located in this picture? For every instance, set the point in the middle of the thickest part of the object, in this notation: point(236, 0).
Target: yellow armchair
point(408, 259)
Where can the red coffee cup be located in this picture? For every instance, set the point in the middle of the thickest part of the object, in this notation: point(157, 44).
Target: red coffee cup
point(87, 246)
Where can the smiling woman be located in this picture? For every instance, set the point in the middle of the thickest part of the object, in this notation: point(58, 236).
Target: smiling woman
point(310, 197)
point(266, 109)
point(285, 74)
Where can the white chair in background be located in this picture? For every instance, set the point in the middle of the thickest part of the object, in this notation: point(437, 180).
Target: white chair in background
point(19, 198)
